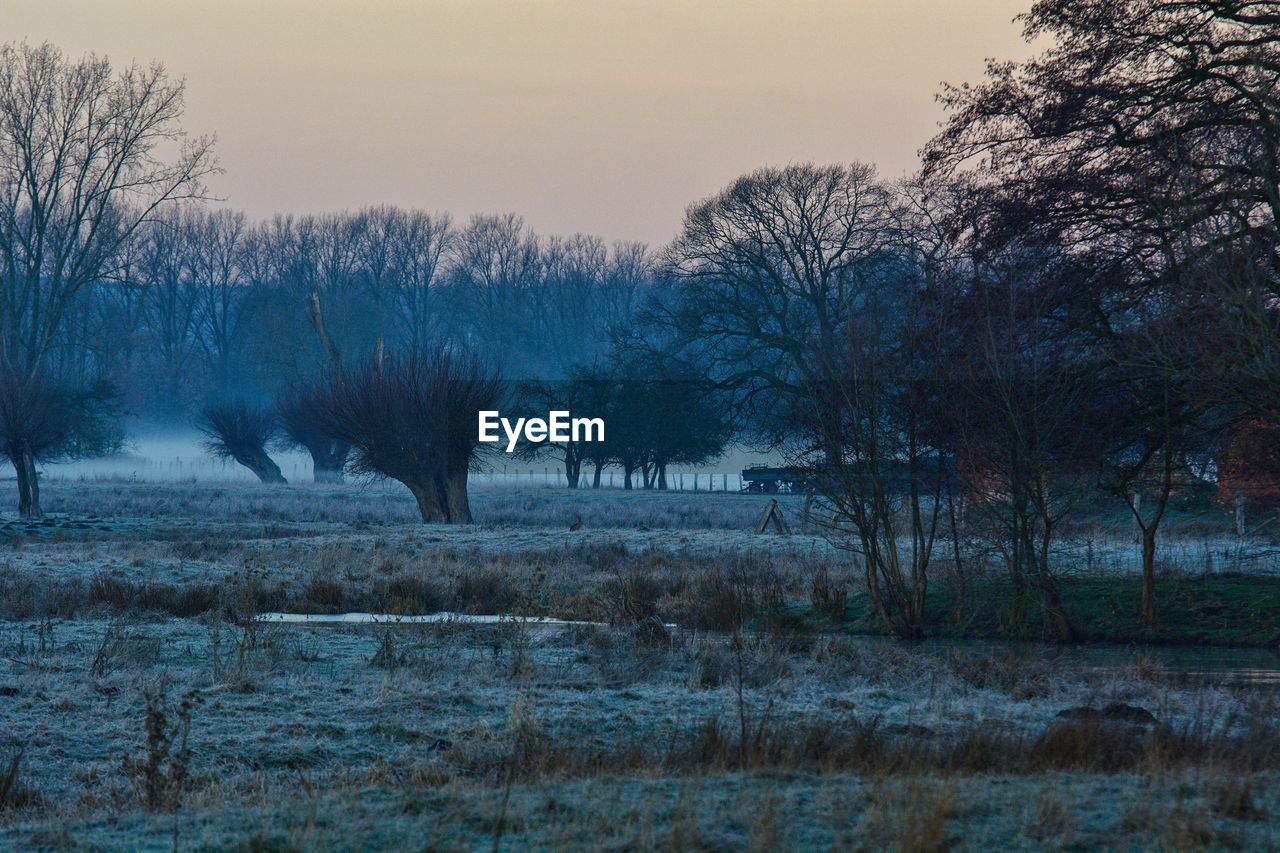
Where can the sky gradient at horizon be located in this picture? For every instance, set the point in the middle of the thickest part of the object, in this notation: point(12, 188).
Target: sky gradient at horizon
point(598, 116)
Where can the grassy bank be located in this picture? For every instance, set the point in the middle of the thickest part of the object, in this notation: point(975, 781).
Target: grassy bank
point(1216, 610)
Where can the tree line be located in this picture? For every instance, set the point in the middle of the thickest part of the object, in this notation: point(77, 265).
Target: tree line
point(1075, 299)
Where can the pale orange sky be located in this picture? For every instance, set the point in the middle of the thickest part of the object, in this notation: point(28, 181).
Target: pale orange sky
point(601, 116)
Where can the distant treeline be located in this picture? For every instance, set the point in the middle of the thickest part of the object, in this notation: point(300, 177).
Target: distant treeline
point(205, 303)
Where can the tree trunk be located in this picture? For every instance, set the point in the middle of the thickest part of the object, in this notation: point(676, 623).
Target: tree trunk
point(24, 466)
point(1059, 623)
point(572, 467)
point(595, 480)
point(457, 504)
point(627, 471)
point(327, 461)
point(264, 466)
point(662, 477)
point(1149, 576)
point(428, 498)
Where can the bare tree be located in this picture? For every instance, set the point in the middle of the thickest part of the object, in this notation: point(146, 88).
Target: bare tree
point(216, 248)
point(495, 272)
point(880, 396)
point(764, 275)
point(84, 163)
point(240, 431)
point(170, 302)
point(419, 249)
point(413, 418)
point(1022, 415)
point(301, 429)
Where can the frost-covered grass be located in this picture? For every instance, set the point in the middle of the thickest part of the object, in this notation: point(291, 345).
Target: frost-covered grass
point(389, 503)
point(429, 728)
point(129, 623)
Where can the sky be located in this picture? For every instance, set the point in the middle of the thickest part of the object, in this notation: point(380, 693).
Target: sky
point(605, 117)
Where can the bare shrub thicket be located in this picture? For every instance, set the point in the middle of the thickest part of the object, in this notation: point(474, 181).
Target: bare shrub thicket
point(300, 429)
point(163, 771)
point(240, 431)
point(412, 418)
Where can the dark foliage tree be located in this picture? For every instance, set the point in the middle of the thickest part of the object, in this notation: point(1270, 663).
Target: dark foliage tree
point(684, 422)
point(539, 397)
point(47, 423)
point(597, 388)
point(1144, 140)
point(240, 431)
point(413, 418)
point(34, 420)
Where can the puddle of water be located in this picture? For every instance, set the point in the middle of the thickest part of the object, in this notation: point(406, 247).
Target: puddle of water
point(423, 619)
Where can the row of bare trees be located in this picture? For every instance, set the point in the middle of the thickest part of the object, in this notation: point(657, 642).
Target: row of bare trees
point(207, 303)
point(114, 275)
point(658, 415)
point(409, 417)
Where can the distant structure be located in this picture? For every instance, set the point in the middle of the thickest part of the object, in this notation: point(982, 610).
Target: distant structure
point(771, 481)
point(1249, 464)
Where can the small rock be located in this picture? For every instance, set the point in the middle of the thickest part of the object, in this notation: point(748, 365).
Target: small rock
point(8, 690)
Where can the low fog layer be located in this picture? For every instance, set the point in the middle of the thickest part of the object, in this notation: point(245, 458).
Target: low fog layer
point(154, 454)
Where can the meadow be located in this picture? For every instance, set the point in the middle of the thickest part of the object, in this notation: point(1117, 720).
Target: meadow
point(726, 690)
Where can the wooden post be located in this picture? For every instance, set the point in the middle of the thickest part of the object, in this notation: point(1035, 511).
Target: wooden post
point(771, 513)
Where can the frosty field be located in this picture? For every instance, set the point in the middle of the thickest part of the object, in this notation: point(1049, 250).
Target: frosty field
point(144, 702)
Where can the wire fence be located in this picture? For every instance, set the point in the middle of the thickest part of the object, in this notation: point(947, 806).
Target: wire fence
point(298, 468)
